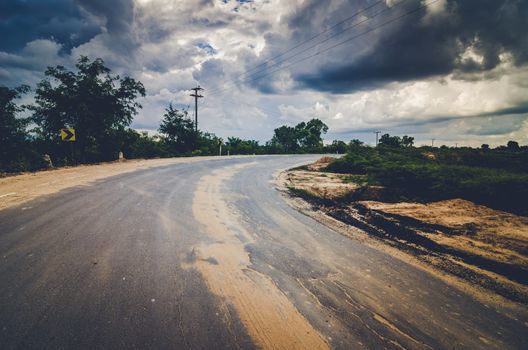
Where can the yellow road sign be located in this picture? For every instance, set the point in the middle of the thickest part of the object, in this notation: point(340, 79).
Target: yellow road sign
point(67, 134)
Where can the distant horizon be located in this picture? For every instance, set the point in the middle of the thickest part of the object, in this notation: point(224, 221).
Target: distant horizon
point(328, 139)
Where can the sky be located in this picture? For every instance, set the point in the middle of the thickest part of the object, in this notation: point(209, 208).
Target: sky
point(451, 70)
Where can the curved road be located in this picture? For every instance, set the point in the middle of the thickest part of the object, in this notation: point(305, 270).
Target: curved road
point(208, 255)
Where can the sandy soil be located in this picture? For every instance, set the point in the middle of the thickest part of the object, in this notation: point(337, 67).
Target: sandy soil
point(480, 230)
point(323, 185)
point(481, 249)
point(18, 189)
point(320, 163)
point(320, 184)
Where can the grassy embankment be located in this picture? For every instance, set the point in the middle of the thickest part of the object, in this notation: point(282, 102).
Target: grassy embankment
point(495, 178)
point(376, 190)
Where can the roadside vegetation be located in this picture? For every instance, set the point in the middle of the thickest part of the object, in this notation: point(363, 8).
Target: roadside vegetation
point(453, 209)
point(101, 106)
point(497, 178)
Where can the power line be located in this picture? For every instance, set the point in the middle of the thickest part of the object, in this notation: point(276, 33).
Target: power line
point(308, 40)
point(340, 43)
point(268, 111)
point(216, 90)
point(424, 5)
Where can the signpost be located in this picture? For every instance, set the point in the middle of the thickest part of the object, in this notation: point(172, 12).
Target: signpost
point(68, 135)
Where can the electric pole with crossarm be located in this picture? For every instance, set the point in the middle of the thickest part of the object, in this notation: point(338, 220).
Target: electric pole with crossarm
point(196, 96)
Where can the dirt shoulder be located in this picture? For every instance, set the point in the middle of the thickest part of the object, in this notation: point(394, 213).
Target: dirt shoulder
point(478, 249)
point(21, 188)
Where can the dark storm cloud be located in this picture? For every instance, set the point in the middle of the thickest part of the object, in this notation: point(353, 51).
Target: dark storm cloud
point(210, 68)
point(69, 23)
point(424, 45)
point(118, 14)
point(489, 126)
point(58, 20)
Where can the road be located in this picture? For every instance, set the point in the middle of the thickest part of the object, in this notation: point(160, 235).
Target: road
point(208, 255)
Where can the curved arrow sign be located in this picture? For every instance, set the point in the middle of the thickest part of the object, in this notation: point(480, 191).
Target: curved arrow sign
point(67, 134)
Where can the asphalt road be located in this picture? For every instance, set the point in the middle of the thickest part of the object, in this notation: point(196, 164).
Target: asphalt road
point(208, 255)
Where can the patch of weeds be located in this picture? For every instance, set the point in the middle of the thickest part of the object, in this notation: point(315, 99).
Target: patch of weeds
point(358, 179)
point(303, 194)
point(302, 167)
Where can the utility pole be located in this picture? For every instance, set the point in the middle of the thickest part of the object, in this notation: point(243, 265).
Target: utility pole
point(196, 96)
point(377, 133)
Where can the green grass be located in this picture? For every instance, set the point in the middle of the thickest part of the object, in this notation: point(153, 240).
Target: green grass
point(497, 179)
point(360, 180)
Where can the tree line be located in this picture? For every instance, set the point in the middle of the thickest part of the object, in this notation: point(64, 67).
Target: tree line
point(101, 106)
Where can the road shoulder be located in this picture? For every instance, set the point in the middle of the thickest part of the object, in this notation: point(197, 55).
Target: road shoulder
point(18, 189)
point(310, 203)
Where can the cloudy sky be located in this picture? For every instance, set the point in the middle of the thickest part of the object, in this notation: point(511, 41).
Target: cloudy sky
point(452, 70)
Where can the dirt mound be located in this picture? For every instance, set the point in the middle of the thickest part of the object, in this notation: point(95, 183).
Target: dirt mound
point(320, 184)
point(321, 163)
point(483, 231)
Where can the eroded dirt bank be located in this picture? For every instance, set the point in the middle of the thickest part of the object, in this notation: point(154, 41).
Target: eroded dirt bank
point(479, 249)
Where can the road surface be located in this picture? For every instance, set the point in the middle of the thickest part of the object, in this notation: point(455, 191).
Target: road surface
point(208, 255)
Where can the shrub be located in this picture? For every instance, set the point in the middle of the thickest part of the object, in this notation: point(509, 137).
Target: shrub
point(494, 178)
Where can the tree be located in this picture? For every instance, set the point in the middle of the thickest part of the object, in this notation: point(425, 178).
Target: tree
point(236, 145)
point(285, 138)
point(179, 130)
point(233, 145)
point(337, 146)
point(513, 145)
point(250, 147)
point(95, 103)
point(395, 141)
point(485, 146)
point(310, 135)
point(12, 129)
point(390, 141)
point(141, 145)
point(15, 151)
point(407, 141)
point(207, 144)
point(304, 136)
